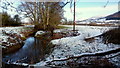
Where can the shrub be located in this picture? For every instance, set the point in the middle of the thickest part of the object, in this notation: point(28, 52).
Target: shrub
point(112, 36)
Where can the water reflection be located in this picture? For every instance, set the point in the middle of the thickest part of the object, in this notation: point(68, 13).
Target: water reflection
point(32, 52)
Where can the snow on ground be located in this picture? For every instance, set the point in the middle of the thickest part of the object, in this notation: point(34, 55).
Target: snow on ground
point(39, 33)
point(71, 46)
point(10, 30)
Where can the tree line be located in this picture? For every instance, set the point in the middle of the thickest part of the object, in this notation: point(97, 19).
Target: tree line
point(7, 20)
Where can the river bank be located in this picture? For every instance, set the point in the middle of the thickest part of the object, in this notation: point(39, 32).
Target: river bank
point(41, 42)
point(65, 44)
point(12, 38)
point(77, 45)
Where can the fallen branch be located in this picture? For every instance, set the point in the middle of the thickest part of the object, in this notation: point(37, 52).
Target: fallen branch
point(91, 39)
point(102, 53)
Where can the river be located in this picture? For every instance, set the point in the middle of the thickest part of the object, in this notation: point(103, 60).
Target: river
point(32, 52)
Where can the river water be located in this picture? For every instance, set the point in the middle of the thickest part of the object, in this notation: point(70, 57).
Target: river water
point(32, 52)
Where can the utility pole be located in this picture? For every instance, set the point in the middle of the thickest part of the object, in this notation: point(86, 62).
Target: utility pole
point(74, 17)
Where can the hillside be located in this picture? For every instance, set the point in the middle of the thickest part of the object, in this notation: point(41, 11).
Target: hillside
point(115, 16)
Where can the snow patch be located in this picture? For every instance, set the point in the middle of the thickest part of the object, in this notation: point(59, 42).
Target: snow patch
point(39, 33)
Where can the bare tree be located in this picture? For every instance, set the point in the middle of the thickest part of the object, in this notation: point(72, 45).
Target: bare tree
point(45, 13)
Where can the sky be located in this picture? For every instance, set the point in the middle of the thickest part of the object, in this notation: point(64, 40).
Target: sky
point(84, 9)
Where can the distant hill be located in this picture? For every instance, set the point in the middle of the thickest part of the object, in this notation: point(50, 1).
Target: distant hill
point(115, 16)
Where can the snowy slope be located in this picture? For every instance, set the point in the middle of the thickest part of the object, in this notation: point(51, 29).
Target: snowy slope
point(3, 37)
point(72, 46)
point(10, 30)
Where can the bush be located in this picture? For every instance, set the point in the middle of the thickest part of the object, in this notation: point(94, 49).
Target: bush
point(112, 36)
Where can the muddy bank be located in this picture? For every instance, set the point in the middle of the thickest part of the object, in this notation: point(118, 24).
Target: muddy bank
point(13, 40)
point(12, 44)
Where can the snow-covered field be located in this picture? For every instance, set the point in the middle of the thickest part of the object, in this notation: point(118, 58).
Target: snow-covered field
point(70, 46)
point(73, 46)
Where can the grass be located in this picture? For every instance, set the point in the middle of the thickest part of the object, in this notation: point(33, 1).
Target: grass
point(28, 28)
point(61, 27)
